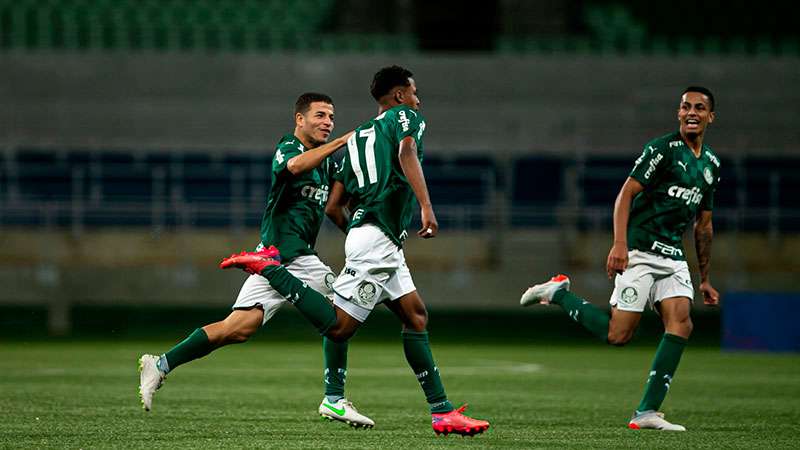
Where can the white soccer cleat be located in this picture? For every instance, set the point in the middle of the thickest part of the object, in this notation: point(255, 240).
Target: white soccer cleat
point(344, 411)
point(653, 420)
point(150, 379)
point(543, 293)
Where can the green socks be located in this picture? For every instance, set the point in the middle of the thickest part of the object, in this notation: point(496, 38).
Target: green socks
point(311, 304)
point(193, 347)
point(664, 366)
point(419, 357)
point(591, 317)
point(335, 368)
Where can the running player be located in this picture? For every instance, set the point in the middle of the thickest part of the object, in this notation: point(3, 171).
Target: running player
point(671, 184)
point(301, 180)
point(380, 177)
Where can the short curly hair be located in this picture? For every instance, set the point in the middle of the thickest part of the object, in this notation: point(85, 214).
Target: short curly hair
point(388, 78)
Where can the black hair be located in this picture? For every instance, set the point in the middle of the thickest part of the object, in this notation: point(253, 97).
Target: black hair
point(303, 103)
point(704, 91)
point(388, 78)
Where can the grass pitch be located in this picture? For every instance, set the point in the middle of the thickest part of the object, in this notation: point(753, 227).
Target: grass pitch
point(265, 394)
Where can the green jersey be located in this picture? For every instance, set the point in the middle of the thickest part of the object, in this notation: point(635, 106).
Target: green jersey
point(676, 186)
point(296, 204)
point(371, 172)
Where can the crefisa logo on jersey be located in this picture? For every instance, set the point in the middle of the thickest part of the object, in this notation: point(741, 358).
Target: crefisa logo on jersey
point(652, 165)
point(318, 194)
point(404, 121)
point(692, 195)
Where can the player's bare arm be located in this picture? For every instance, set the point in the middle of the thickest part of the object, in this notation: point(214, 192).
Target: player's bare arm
point(412, 170)
point(618, 256)
point(703, 235)
point(311, 159)
point(336, 208)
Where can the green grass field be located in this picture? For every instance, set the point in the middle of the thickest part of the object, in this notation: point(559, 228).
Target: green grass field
point(83, 395)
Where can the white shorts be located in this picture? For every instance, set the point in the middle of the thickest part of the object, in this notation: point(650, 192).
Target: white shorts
point(375, 270)
point(256, 289)
point(649, 279)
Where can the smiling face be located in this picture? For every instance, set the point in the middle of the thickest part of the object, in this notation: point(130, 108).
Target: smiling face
point(315, 126)
point(694, 114)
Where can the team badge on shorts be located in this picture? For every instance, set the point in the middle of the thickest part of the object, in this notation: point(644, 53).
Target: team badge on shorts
point(708, 176)
point(329, 279)
point(628, 295)
point(366, 293)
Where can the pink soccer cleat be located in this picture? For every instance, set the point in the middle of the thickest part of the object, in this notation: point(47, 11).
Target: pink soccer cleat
point(456, 422)
point(253, 262)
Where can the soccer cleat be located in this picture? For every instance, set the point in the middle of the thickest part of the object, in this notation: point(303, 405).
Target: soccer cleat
point(456, 422)
point(543, 293)
point(344, 411)
point(269, 252)
point(253, 262)
point(653, 420)
point(150, 379)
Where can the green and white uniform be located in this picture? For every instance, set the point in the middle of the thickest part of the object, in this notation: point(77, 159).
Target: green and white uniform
point(382, 204)
point(292, 219)
point(677, 186)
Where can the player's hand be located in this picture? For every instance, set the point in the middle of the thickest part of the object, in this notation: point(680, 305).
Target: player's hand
point(342, 140)
point(617, 260)
point(429, 225)
point(710, 295)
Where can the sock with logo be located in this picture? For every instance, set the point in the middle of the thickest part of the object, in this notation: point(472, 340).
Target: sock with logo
point(419, 357)
point(591, 317)
point(664, 366)
point(335, 368)
point(195, 346)
point(312, 305)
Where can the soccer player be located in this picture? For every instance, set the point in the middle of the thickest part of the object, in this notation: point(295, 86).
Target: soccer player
point(301, 178)
point(380, 177)
point(671, 184)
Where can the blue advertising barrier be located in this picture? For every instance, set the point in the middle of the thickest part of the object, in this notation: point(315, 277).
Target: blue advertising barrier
point(761, 321)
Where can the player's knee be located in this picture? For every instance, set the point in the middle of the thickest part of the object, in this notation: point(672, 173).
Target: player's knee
point(619, 338)
point(682, 327)
point(339, 334)
point(417, 321)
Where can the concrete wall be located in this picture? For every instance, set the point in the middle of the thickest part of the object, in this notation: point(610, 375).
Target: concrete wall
point(462, 270)
point(473, 103)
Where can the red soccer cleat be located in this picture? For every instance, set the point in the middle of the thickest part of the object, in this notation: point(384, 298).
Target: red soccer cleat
point(253, 262)
point(456, 422)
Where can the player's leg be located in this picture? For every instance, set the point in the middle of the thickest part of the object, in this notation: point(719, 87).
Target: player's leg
point(329, 320)
point(334, 405)
point(411, 311)
point(416, 346)
point(237, 327)
point(622, 326)
point(556, 291)
point(678, 326)
point(672, 300)
point(631, 292)
point(256, 303)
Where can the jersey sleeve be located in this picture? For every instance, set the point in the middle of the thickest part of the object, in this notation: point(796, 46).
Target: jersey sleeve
point(283, 153)
point(410, 123)
point(650, 164)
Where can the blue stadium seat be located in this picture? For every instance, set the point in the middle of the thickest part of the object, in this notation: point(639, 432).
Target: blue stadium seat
point(602, 179)
point(537, 185)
